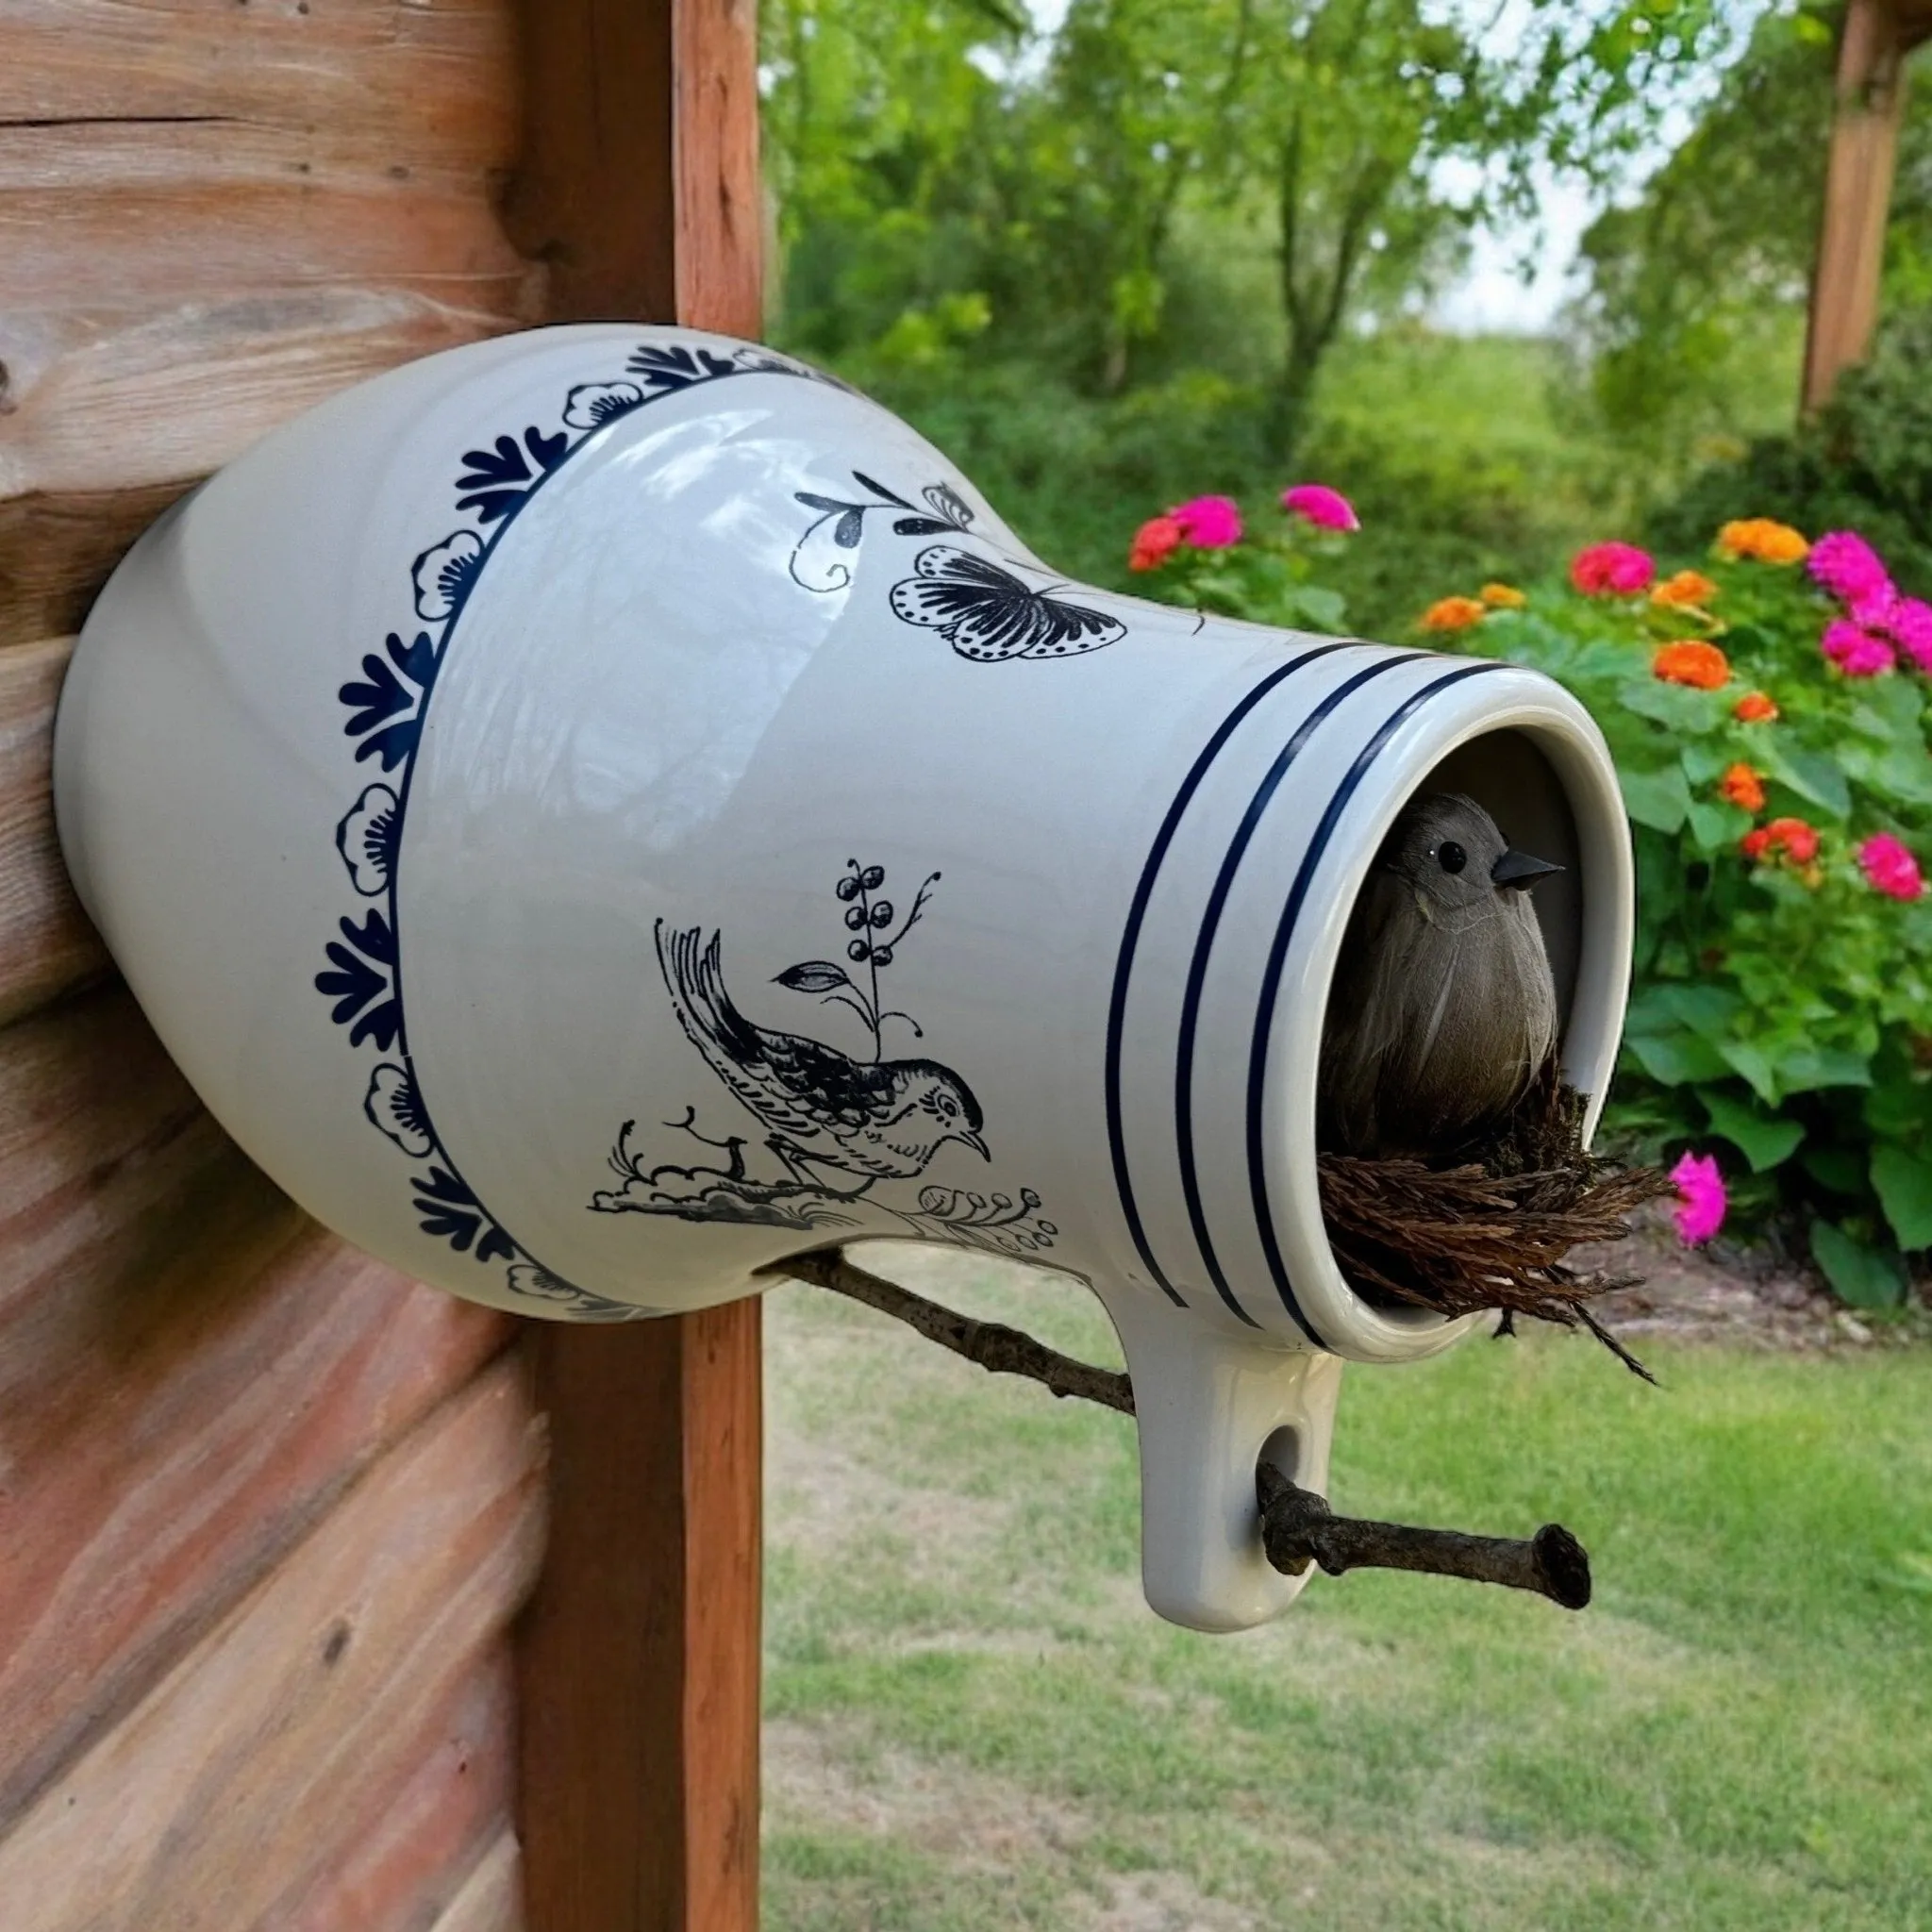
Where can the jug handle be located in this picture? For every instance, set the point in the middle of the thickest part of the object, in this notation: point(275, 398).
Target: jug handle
point(1209, 1405)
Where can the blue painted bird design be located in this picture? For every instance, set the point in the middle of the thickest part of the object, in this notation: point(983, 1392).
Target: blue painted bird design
point(884, 1119)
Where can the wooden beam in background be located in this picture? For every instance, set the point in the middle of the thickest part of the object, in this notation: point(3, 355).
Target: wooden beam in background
point(1870, 105)
point(638, 1657)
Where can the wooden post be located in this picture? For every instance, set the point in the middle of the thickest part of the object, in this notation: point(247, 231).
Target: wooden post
point(1868, 106)
point(638, 1657)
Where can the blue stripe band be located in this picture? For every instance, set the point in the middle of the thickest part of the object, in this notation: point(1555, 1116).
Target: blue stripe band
point(1197, 973)
point(1130, 940)
point(1271, 980)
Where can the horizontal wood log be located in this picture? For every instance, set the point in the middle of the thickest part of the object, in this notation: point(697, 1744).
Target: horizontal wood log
point(119, 247)
point(321, 1683)
point(189, 1370)
point(55, 552)
point(46, 944)
point(492, 1897)
point(107, 1159)
point(102, 403)
point(404, 1854)
point(381, 70)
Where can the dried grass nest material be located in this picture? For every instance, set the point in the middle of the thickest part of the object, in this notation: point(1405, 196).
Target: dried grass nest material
point(1490, 1231)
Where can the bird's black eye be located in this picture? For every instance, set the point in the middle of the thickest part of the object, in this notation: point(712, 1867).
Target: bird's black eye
point(1450, 856)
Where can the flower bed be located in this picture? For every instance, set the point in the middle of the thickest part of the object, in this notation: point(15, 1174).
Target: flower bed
point(1767, 710)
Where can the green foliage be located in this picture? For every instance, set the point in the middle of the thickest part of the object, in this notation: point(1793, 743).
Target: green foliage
point(1782, 1005)
point(1692, 324)
point(1866, 463)
point(1444, 443)
point(1086, 189)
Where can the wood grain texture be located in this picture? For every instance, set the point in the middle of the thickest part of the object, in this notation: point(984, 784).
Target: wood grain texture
point(188, 1372)
point(55, 552)
point(593, 196)
point(384, 73)
point(492, 1897)
point(1870, 104)
point(638, 1750)
point(188, 1813)
point(402, 1856)
point(108, 402)
point(639, 1657)
point(720, 202)
point(156, 247)
point(46, 944)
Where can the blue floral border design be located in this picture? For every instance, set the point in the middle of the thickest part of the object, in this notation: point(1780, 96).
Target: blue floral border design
point(387, 707)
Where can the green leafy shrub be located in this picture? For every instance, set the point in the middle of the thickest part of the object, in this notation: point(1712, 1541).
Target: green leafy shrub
point(1783, 994)
point(1865, 463)
point(1767, 713)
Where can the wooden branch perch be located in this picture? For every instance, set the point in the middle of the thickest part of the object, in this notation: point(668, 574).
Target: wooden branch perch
point(996, 1348)
point(1298, 1527)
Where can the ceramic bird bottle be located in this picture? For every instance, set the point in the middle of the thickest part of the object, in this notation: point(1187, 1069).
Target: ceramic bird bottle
point(598, 812)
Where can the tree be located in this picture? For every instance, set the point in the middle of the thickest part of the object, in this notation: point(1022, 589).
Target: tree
point(1692, 283)
point(929, 151)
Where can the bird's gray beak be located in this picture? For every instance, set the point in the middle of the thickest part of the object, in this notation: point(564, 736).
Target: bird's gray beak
point(977, 1145)
point(1518, 871)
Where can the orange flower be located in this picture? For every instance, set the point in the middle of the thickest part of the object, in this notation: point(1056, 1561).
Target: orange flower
point(1762, 541)
point(1754, 708)
point(1798, 841)
point(1741, 786)
point(1155, 542)
point(1687, 590)
point(1692, 661)
point(1452, 613)
point(1503, 597)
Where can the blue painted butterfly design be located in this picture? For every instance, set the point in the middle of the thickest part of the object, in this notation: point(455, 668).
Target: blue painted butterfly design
point(988, 614)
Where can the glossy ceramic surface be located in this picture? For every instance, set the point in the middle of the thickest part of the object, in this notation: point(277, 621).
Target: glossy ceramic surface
point(597, 811)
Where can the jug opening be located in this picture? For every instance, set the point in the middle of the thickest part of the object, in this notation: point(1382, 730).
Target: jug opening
point(1538, 769)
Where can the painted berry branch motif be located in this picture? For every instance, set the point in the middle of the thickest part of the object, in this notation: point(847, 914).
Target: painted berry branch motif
point(387, 707)
point(835, 1125)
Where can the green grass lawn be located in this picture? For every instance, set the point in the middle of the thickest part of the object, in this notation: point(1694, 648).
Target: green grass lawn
point(973, 1720)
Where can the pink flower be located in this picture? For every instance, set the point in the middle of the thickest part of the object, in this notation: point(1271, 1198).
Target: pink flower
point(1848, 566)
point(1701, 1198)
point(1856, 652)
point(1326, 509)
point(1612, 570)
point(1911, 624)
point(1876, 608)
point(1888, 864)
point(1209, 522)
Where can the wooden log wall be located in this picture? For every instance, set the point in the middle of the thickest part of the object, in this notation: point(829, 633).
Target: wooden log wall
point(267, 1511)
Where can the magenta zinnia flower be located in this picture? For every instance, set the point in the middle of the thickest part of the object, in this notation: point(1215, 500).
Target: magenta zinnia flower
point(1912, 625)
point(1326, 509)
point(1701, 1198)
point(1209, 522)
point(1848, 566)
point(1856, 651)
point(1612, 570)
point(1888, 864)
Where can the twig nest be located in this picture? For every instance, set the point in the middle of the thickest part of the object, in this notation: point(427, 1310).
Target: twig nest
point(1489, 1228)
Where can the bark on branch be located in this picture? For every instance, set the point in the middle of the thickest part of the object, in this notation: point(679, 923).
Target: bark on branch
point(1298, 1528)
point(996, 1348)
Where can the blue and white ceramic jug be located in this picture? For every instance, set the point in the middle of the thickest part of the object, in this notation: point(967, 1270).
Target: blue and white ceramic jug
point(598, 812)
